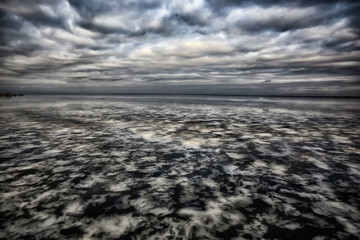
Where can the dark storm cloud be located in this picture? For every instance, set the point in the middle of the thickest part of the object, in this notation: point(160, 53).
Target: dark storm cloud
point(180, 46)
point(354, 18)
point(325, 13)
point(10, 27)
point(90, 8)
point(36, 14)
point(232, 3)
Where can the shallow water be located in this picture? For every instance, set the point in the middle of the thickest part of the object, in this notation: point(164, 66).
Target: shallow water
point(100, 167)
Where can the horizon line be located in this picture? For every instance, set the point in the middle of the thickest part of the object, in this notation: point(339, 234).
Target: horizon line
point(193, 94)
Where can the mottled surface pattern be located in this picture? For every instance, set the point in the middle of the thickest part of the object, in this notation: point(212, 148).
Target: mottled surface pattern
point(117, 168)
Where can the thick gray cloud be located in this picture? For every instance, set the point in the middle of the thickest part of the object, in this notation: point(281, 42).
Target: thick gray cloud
point(180, 46)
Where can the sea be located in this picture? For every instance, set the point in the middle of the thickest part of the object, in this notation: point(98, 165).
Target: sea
point(179, 167)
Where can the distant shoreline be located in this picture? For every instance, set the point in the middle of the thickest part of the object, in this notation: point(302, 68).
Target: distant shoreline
point(194, 95)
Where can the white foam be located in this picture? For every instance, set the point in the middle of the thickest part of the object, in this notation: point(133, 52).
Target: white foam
point(231, 169)
point(351, 227)
point(259, 164)
point(74, 208)
point(43, 195)
point(48, 222)
point(113, 227)
point(235, 155)
point(292, 226)
point(193, 143)
point(119, 187)
point(277, 169)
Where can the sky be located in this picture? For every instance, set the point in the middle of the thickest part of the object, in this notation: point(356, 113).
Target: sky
point(236, 47)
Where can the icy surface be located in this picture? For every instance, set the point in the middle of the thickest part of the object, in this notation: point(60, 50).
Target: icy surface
point(179, 168)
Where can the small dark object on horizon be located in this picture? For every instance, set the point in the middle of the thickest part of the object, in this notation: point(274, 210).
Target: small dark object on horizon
point(9, 95)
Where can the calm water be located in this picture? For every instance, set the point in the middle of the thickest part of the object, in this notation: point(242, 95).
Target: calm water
point(179, 167)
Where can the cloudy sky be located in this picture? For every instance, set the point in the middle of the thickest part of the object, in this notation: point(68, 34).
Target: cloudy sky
point(180, 46)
